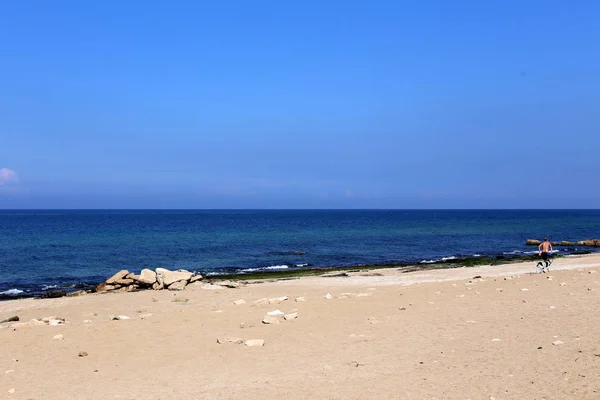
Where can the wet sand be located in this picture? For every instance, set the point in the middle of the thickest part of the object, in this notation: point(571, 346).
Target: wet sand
point(379, 334)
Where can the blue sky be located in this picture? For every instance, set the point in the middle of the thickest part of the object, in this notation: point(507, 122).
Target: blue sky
point(311, 104)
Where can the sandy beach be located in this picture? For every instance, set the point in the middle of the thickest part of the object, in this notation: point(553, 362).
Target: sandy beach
point(495, 332)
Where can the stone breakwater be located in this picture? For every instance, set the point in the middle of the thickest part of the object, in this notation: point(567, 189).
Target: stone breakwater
point(159, 279)
point(587, 243)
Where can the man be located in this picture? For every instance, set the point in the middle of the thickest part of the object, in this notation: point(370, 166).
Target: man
point(543, 249)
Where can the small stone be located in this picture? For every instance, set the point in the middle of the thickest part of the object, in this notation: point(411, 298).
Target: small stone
point(270, 320)
point(291, 316)
point(278, 300)
point(328, 296)
point(228, 284)
point(10, 371)
point(592, 272)
point(261, 302)
point(119, 317)
point(300, 299)
point(239, 302)
point(254, 343)
point(234, 340)
point(495, 340)
point(196, 278)
point(11, 391)
point(180, 300)
point(56, 322)
point(58, 337)
point(552, 307)
point(562, 284)
point(557, 342)
point(508, 278)
point(524, 289)
point(275, 313)
point(83, 354)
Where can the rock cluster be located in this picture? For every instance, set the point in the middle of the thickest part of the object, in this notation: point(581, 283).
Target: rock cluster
point(587, 242)
point(161, 278)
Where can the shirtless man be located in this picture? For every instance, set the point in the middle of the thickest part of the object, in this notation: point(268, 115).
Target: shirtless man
point(543, 249)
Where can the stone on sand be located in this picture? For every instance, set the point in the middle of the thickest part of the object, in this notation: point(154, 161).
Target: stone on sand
point(328, 296)
point(277, 300)
point(300, 299)
point(158, 286)
point(77, 293)
point(30, 323)
point(291, 316)
point(58, 337)
point(119, 317)
point(234, 340)
point(83, 354)
point(119, 275)
point(275, 313)
point(104, 287)
point(254, 343)
point(147, 277)
point(270, 320)
point(179, 285)
point(196, 278)
point(239, 302)
point(261, 302)
point(228, 284)
point(170, 277)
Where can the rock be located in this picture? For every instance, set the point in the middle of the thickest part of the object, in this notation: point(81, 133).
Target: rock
point(300, 299)
point(254, 343)
point(278, 300)
point(11, 319)
point(83, 354)
point(170, 277)
point(328, 296)
point(261, 302)
point(11, 391)
point(132, 288)
point(180, 300)
point(56, 322)
point(132, 276)
point(524, 289)
point(58, 337)
point(147, 277)
point(196, 278)
point(532, 242)
point(123, 282)
point(179, 285)
point(119, 275)
point(563, 284)
point(239, 302)
point(30, 323)
point(275, 313)
point(234, 340)
point(592, 272)
point(210, 286)
point(228, 284)
point(119, 317)
point(557, 342)
point(270, 320)
point(160, 277)
point(495, 340)
point(158, 286)
point(291, 316)
point(53, 295)
point(77, 293)
point(104, 287)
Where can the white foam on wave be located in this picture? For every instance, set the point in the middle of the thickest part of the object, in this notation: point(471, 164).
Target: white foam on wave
point(427, 261)
point(12, 292)
point(449, 258)
point(476, 255)
point(272, 267)
point(46, 287)
point(302, 265)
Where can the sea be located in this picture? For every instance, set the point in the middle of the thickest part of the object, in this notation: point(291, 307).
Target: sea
point(42, 250)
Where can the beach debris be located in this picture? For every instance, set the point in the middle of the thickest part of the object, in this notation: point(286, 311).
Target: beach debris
point(178, 285)
point(275, 313)
point(11, 319)
point(52, 321)
point(234, 340)
point(239, 302)
point(524, 289)
point(328, 296)
point(119, 317)
point(254, 343)
point(83, 354)
point(269, 320)
point(557, 342)
point(300, 299)
point(58, 337)
point(278, 300)
point(290, 316)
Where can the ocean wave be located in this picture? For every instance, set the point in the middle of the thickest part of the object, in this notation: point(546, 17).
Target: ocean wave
point(47, 287)
point(476, 255)
point(428, 261)
point(272, 267)
point(12, 292)
point(302, 265)
point(449, 258)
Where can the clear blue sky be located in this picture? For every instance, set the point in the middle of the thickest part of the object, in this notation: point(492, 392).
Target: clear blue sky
point(304, 104)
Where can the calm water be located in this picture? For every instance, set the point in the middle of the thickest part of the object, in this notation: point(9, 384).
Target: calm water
point(39, 249)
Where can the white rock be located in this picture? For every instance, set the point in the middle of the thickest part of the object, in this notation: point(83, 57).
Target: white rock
point(30, 323)
point(170, 277)
point(300, 299)
point(239, 302)
point(234, 340)
point(495, 340)
point(363, 294)
point(291, 316)
point(10, 371)
point(147, 277)
point(11, 391)
point(228, 284)
point(270, 320)
point(58, 337)
point(118, 276)
point(179, 285)
point(275, 313)
point(524, 289)
point(278, 300)
point(196, 278)
point(328, 296)
point(119, 317)
point(261, 302)
point(210, 286)
point(557, 342)
point(56, 322)
point(87, 321)
point(552, 307)
point(255, 343)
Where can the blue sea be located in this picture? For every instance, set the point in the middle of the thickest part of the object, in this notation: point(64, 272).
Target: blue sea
point(44, 250)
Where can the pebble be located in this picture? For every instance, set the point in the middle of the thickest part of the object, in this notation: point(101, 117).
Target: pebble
point(234, 340)
point(300, 299)
point(254, 343)
point(239, 302)
point(87, 321)
point(278, 300)
point(495, 340)
point(83, 354)
point(275, 313)
point(552, 307)
point(270, 320)
point(563, 284)
point(291, 316)
point(9, 371)
point(524, 289)
point(557, 342)
point(119, 317)
point(58, 337)
point(11, 391)
point(328, 296)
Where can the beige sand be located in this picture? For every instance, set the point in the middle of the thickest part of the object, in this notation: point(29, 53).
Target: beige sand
point(433, 335)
